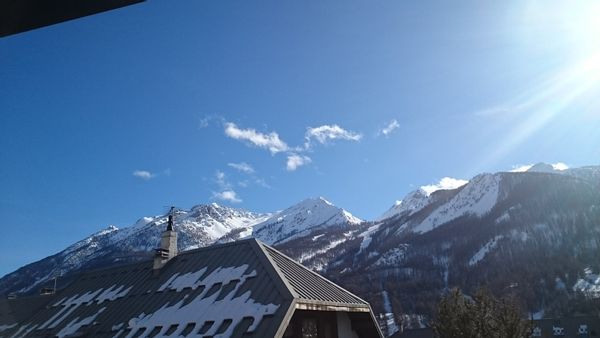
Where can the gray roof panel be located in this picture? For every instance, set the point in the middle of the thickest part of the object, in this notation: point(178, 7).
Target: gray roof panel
point(309, 286)
point(224, 289)
point(239, 289)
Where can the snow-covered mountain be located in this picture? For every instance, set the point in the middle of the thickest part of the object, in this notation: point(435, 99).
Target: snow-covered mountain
point(301, 219)
point(413, 202)
point(535, 234)
point(199, 226)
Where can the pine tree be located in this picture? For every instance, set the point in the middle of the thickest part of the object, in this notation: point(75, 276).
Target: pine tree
point(482, 316)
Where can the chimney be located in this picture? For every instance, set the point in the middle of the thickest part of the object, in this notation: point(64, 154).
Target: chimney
point(168, 244)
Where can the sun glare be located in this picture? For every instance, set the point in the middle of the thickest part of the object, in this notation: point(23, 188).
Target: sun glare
point(574, 25)
point(584, 25)
point(565, 90)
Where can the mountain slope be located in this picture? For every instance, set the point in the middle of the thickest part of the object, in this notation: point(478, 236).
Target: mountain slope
point(199, 226)
point(534, 234)
point(301, 219)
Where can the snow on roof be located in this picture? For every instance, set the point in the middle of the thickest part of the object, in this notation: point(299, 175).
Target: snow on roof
point(228, 290)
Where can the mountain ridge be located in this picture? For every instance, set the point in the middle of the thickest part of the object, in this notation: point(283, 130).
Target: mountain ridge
point(498, 230)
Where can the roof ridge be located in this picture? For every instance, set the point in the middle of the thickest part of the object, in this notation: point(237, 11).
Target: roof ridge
point(217, 245)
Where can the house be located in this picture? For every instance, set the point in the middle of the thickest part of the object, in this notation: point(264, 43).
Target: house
point(239, 289)
point(568, 327)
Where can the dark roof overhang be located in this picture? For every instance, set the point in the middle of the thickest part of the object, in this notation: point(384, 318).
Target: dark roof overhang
point(18, 16)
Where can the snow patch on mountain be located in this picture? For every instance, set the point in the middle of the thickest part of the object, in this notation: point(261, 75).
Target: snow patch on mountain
point(393, 257)
point(412, 203)
point(420, 198)
point(481, 253)
point(589, 285)
point(308, 215)
point(367, 237)
point(199, 226)
point(477, 198)
point(310, 254)
point(390, 320)
point(542, 168)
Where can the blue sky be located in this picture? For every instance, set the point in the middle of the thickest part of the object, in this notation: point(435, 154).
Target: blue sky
point(260, 105)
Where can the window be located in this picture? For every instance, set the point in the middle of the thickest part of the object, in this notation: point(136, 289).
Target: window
point(558, 331)
point(583, 329)
point(537, 332)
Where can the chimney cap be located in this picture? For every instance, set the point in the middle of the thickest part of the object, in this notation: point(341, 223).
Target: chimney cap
point(170, 221)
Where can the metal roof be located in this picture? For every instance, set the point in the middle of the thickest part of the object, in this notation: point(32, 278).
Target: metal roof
point(309, 286)
point(239, 289)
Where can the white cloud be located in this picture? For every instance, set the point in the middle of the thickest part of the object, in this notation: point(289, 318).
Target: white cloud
point(143, 174)
point(387, 130)
point(203, 122)
point(221, 180)
point(560, 166)
point(446, 183)
point(261, 182)
point(294, 161)
point(521, 168)
point(227, 195)
point(243, 167)
point(270, 141)
point(326, 133)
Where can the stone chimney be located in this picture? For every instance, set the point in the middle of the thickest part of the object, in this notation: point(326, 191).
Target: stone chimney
point(168, 244)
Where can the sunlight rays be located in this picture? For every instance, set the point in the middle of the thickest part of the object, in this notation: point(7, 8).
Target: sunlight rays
point(550, 100)
point(563, 95)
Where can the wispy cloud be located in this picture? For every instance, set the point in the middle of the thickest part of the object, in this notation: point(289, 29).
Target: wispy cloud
point(143, 174)
point(227, 195)
point(261, 182)
point(446, 183)
point(243, 167)
point(270, 141)
point(294, 161)
point(326, 133)
point(206, 120)
point(221, 180)
point(389, 128)
point(226, 192)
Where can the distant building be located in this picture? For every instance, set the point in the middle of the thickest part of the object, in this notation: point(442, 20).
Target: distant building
point(240, 289)
point(570, 327)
